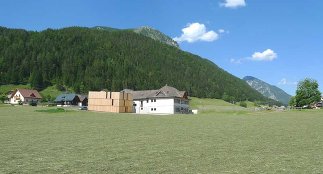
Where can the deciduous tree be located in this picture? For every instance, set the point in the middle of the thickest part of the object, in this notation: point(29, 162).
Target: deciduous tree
point(307, 92)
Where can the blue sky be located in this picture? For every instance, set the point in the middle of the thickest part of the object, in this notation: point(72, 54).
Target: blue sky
point(278, 41)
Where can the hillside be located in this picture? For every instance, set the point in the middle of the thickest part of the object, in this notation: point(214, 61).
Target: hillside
point(94, 59)
point(268, 90)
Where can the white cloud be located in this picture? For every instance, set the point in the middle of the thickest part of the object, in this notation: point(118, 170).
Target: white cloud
point(267, 55)
point(196, 32)
point(284, 81)
point(233, 3)
point(236, 61)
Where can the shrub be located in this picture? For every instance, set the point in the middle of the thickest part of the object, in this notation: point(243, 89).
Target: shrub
point(243, 104)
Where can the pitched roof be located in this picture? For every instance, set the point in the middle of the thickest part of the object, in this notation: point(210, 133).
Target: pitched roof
point(141, 94)
point(65, 97)
point(164, 92)
point(82, 97)
point(28, 93)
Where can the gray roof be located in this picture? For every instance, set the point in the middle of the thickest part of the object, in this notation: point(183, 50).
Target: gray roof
point(65, 97)
point(164, 92)
point(82, 97)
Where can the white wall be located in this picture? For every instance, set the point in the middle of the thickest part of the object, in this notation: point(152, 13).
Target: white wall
point(155, 106)
point(160, 106)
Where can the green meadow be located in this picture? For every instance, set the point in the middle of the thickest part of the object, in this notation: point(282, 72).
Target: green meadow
point(218, 140)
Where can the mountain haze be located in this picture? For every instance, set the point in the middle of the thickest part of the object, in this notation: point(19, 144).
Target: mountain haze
point(106, 58)
point(268, 90)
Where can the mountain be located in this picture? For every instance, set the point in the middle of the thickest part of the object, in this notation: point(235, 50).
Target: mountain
point(148, 32)
point(156, 35)
point(268, 90)
point(95, 59)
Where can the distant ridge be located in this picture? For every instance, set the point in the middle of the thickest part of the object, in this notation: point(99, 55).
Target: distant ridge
point(105, 28)
point(156, 35)
point(268, 90)
point(146, 31)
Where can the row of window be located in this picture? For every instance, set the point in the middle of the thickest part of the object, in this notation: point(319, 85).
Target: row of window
point(152, 109)
point(152, 100)
point(25, 100)
point(175, 100)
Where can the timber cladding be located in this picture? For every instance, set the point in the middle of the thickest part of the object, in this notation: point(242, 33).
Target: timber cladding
point(117, 102)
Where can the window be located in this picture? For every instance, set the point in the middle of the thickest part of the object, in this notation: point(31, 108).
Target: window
point(154, 100)
point(147, 101)
point(151, 109)
point(141, 108)
point(154, 109)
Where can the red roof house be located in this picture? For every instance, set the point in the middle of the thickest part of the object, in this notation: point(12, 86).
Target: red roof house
point(25, 96)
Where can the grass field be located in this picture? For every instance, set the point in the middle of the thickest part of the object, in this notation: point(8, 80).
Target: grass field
point(219, 142)
point(217, 106)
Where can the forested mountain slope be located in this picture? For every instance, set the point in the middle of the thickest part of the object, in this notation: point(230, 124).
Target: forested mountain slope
point(92, 59)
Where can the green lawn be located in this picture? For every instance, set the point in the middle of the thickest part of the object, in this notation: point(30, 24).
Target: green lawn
point(212, 106)
point(89, 142)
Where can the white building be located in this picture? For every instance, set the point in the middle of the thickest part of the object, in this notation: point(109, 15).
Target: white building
point(166, 100)
point(24, 96)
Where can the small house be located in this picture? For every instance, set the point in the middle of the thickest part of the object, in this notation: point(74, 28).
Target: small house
point(24, 96)
point(67, 99)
